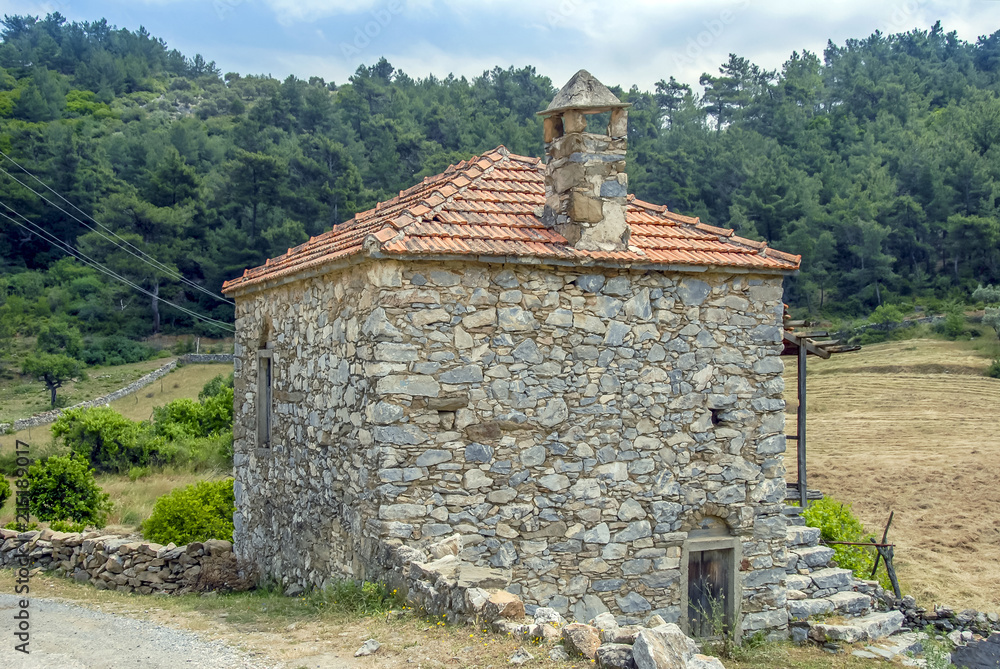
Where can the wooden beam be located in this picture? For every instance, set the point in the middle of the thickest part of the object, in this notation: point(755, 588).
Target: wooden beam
point(810, 346)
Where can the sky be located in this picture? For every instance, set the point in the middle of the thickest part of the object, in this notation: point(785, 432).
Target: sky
point(622, 42)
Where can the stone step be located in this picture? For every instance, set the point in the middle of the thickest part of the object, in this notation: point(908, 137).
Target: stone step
point(793, 516)
point(801, 609)
point(832, 578)
point(812, 556)
point(800, 535)
point(870, 628)
point(798, 582)
point(850, 603)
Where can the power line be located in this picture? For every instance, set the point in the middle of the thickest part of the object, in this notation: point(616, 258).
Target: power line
point(68, 248)
point(137, 252)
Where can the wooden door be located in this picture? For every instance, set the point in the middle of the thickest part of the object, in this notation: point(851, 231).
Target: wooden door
point(709, 592)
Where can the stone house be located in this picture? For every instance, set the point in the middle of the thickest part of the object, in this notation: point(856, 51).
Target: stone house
point(584, 385)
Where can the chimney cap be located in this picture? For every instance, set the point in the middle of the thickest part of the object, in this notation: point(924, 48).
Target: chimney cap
point(585, 93)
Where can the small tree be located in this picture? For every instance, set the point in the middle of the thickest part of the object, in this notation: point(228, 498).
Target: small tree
point(63, 488)
point(991, 315)
point(53, 369)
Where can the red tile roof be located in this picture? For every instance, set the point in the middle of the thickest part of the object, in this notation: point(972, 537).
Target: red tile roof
point(490, 206)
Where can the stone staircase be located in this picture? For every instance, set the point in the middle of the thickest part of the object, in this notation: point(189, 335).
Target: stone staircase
point(815, 588)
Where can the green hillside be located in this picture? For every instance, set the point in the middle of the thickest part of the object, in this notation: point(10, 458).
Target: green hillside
point(876, 160)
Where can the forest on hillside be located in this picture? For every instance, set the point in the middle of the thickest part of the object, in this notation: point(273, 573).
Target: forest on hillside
point(877, 160)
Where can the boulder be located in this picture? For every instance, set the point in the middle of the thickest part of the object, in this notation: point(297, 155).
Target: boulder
point(663, 647)
point(615, 656)
point(581, 640)
point(503, 604)
point(699, 661)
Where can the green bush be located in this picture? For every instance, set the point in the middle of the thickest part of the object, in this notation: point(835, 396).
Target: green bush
point(115, 350)
point(196, 513)
point(107, 440)
point(836, 522)
point(63, 488)
point(66, 526)
point(993, 371)
point(216, 386)
point(184, 417)
point(953, 326)
point(886, 313)
point(178, 419)
point(4, 490)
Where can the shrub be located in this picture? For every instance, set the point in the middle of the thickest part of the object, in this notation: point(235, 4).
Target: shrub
point(216, 386)
point(4, 490)
point(196, 513)
point(66, 526)
point(993, 371)
point(63, 488)
point(178, 419)
point(107, 440)
point(115, 350)
point(184, 417)
point(836, 522)
point(886, 313)
point(953, 325)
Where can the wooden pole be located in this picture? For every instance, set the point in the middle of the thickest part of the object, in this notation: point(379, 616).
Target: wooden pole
point(801, 427)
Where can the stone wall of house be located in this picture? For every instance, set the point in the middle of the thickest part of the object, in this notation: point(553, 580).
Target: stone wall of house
point(573, 428)
point(302, 503)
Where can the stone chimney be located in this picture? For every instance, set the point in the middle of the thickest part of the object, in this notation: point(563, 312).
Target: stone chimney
point(585, 180)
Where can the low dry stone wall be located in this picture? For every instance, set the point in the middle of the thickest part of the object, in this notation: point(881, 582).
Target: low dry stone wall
point(111, 562)
point(47, 417)
point(203, 358)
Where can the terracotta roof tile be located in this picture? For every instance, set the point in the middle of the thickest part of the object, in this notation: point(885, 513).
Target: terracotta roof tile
point(488, 206)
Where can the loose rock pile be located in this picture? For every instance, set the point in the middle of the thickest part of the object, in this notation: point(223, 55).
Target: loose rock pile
point(658, 645)
point(126, 564)
point(946, 620)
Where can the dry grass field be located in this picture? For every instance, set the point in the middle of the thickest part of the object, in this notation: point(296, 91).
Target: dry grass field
point(912, 427)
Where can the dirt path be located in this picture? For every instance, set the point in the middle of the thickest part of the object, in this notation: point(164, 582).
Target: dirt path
point(66, 636)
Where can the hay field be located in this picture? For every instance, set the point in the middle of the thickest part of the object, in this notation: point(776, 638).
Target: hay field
point(912, 427)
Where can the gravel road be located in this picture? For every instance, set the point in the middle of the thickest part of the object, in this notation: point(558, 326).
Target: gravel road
point(65, 636)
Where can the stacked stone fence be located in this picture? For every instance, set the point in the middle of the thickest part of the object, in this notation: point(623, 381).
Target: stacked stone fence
point(203, 358)
point(47, 417)
point(125, 564)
